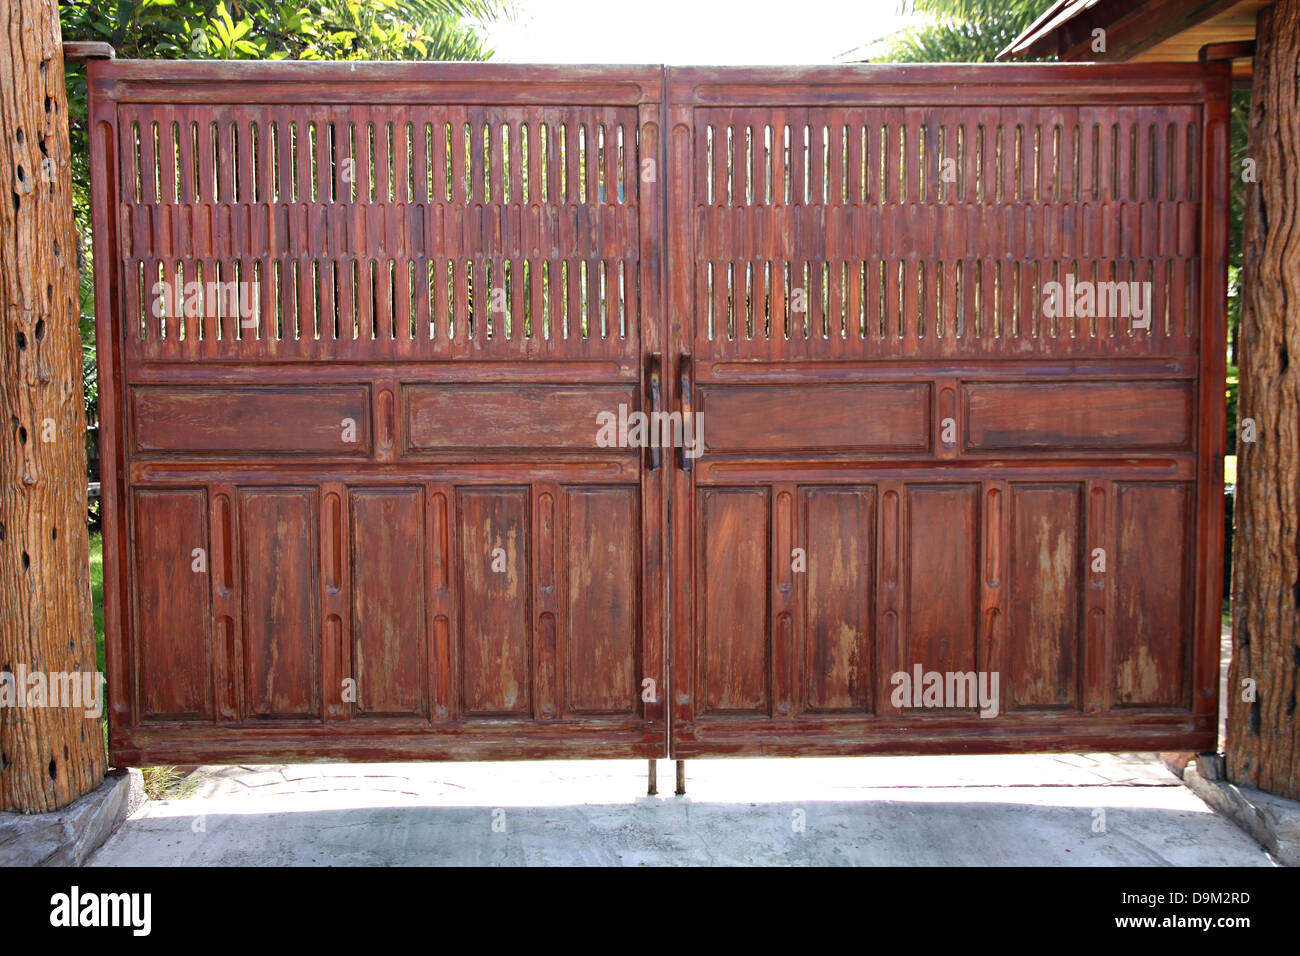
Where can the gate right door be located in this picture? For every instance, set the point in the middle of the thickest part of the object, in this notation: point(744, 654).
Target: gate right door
point(955, 336)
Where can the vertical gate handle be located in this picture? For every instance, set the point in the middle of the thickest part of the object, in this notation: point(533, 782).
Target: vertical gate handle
point(688, 409)
point(653, 370)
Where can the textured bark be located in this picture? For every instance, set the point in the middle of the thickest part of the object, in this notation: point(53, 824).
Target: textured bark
point(49, 756)
point(1264, 736)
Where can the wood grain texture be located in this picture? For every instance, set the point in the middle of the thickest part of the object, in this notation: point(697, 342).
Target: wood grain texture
point(534, 417)
point(1069, 416)
point(494, 553)
point(734, 654)
point(602, 627)
point(173, 595)
point(388, 623)
point(283, 421)
point(841, 535)
point(1151, 646)
point(879, 418)
point(49, 756)
point(942, 533)
point(281, 587)
point(1045, 596)
point(1264, 733)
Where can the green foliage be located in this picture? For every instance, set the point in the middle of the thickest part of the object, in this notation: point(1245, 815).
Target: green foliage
point(959, 31)
point(970, 9)
point(97, 594)
point(285, 29)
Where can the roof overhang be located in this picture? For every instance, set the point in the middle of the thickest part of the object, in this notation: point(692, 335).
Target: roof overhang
point(1137, 31)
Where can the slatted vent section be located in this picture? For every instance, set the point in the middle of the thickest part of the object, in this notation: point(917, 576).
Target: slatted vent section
point(371, 233)
point(911, 232)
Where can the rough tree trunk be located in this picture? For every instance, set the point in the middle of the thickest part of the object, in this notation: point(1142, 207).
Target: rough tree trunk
point(49, 756)
point(1264, 735)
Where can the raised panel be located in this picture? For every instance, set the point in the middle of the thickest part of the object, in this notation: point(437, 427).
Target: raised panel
point(389, 637)
point(827, 418)
point(493, 553)
point(840, 535)
point(173, 604)
point(602, 611)
point(734, 643)
point(272, 419)
point(941, 560)
point(445, 417)
point(1040, 664)
point(1150, 576)
point(280, 594)
point(1078, 416)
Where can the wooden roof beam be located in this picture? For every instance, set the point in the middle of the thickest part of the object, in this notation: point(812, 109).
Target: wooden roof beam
point(1129, 29)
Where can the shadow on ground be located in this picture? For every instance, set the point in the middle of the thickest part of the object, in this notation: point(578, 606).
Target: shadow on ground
point(1063, 810)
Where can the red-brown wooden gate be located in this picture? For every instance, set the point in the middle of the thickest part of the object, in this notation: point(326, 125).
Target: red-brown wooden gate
point(408, 543)
point(858, 264)
point(365, 513)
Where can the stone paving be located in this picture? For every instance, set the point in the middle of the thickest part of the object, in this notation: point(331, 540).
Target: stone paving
point(1064, 809)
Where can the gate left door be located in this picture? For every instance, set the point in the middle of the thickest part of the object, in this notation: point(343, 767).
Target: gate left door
point(356, 326)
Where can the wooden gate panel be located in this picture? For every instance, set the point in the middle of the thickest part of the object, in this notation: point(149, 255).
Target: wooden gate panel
point(379, 231)
point(940, 561)
point(1152, 629)
point(958, 577)
point(1041, 649)
point(494, 646)
point(839, 623)
point(296, 420)
point(733, 668)
point(356, 327)
point(172, 605)
point(281, 642)
point(971, 210)
point(603, 633)
point(901, 297)
point(388, 646)
point(375, 231)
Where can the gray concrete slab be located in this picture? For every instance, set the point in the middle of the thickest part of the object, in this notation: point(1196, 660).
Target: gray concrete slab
point(1073, 809)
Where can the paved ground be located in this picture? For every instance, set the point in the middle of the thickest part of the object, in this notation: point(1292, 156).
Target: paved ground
point(1094, 810)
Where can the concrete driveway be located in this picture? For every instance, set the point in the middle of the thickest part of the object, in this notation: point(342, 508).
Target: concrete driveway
point(1060, 810)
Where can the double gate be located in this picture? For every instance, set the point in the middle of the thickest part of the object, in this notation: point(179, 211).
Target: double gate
point(375, 342)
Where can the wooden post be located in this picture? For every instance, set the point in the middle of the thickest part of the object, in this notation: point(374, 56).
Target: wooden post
point(1264, 734)
point(49, 755)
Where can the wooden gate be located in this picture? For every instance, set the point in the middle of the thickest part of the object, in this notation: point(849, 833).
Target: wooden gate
point(360, 325)
point(363, 515)
point(913, 464)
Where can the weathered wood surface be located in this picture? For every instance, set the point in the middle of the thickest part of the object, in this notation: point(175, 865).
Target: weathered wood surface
point(466, 272)
point(1263, 726)
point(858, 264)
point(49, 755)
point(862, 334)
